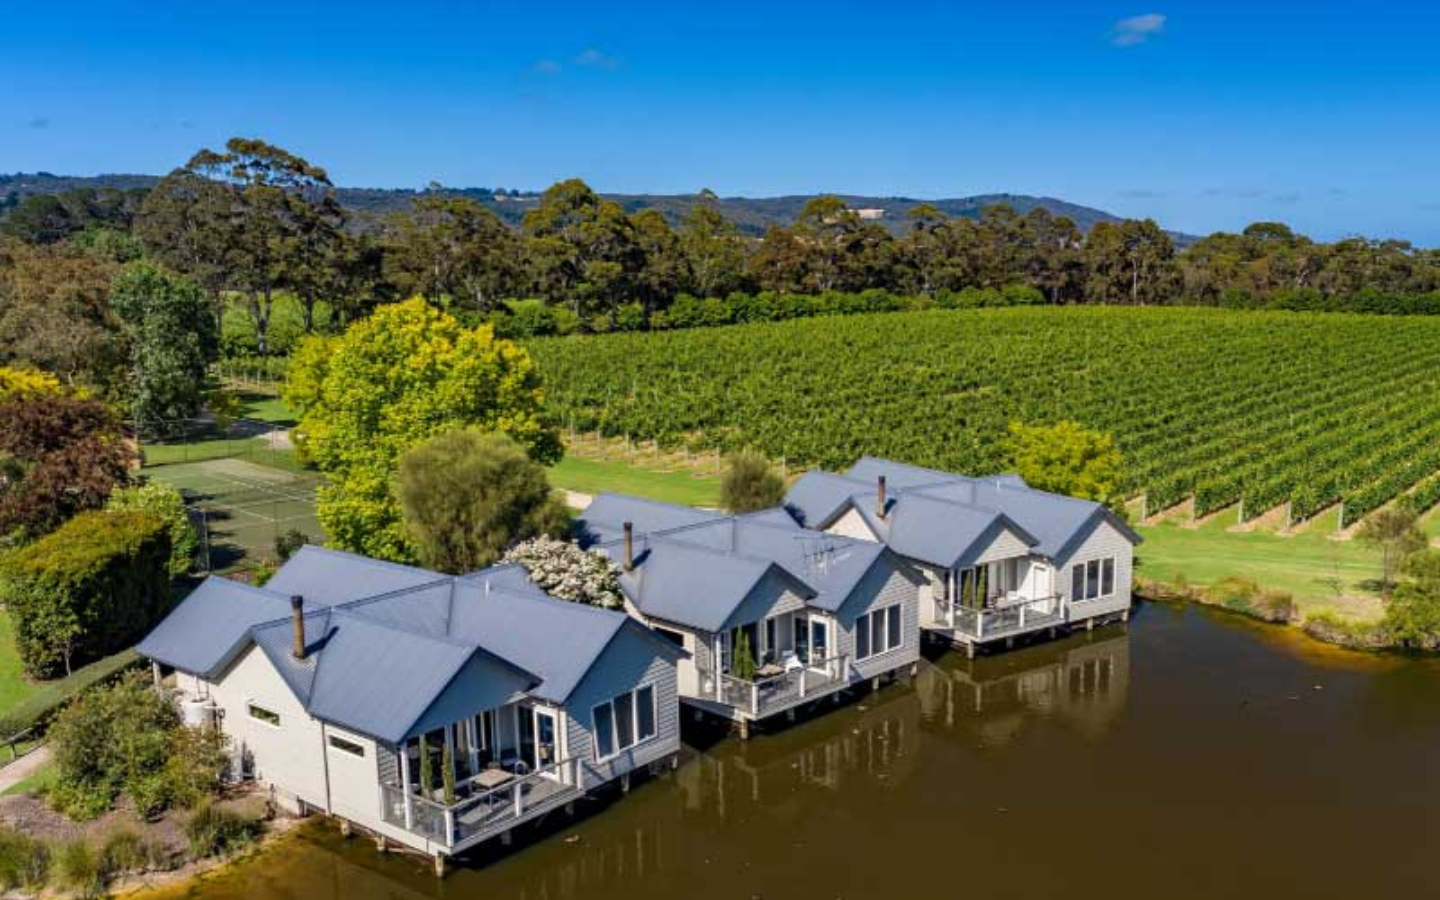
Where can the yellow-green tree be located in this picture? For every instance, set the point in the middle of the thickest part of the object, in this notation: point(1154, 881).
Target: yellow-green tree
point(1066, 458)
point(389, 382)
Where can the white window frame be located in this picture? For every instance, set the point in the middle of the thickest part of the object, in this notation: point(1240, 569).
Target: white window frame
point(638, 741)
point(251, 706)
point(1082, 569)
point(881, 615)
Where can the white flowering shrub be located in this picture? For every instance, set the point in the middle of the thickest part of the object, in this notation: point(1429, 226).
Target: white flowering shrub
point(562, 569)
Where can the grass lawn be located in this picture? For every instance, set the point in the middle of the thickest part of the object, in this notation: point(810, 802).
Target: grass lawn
point(14, 687)
point(43, 778)
point(1322, 574)
point(592, 476)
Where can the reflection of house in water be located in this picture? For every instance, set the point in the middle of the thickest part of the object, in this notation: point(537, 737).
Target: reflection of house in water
point(871, 747)
point(1082, 682)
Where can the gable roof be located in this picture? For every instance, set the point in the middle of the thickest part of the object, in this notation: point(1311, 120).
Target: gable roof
point(329, 577)
point(207, 631)
point(394, 663)
point(694, 585)
point(604, 518)
point(946, 519)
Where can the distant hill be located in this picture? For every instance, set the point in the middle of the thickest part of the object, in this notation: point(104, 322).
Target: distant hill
point(752, 215)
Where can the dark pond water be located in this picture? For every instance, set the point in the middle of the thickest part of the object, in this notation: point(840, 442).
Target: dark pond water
point(1192, 756)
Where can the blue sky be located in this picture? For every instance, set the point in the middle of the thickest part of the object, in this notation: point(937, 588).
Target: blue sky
point(1205, 116)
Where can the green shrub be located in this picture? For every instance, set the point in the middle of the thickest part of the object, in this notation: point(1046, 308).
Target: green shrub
point(125, 850)
point(77, 868)
point(214, 831)
point(166, 503)
point(24, 861)
point(91, 588)
point(127, 738)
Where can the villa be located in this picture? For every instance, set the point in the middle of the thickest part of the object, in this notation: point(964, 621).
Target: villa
point(772, 616)
point(347, 683)
point(999, 559)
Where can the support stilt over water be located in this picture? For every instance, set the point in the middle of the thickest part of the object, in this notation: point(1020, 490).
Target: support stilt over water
point(439, 865)
point(625, 783)
point(744, 729)
point(345, 827)
point(381, 844)
point(507, 837)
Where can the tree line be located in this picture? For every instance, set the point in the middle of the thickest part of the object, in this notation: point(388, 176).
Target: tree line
point(253, 223)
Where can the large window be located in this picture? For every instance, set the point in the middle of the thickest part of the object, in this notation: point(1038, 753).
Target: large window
point(1093, 579)
point(624, 722)
point(877, 632)
point(261, 714)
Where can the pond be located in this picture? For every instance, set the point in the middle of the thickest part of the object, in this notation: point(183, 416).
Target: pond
point(1188, 755)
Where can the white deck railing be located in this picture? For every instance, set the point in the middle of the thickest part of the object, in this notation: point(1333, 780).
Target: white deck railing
point(1009, 616)
point(773, 693)
point(479, 811)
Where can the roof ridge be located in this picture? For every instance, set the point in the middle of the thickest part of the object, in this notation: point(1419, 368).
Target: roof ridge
point(559, 603)
point(346, 554)
point(414, 588)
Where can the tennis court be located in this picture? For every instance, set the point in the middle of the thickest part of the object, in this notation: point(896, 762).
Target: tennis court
point(241, 507)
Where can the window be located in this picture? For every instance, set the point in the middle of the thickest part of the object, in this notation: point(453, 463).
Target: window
point(624, 722)
point(878, 631)
point(261, 714)
point(1093, 579)
point(645, 712)
point(625, 719)
point(347, 746)
point(604, 731)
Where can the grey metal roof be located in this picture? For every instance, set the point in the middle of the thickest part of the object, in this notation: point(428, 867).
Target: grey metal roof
point(831, 565)
point(935, 531)
point(379, 680)
point(694, 585)
point(818, 498)
point(209, 629)
point(332, 576)
point(931, 514)
point(604, 518)
point(395, 650)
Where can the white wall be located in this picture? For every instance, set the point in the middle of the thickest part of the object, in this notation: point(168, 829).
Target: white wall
point(852, 525)
point(288, 756)
point(1105, 541)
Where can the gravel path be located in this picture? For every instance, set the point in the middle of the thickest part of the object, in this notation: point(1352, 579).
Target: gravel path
point(23, 768)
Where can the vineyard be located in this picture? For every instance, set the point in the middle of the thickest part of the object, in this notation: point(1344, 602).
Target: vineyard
point(1249, 408)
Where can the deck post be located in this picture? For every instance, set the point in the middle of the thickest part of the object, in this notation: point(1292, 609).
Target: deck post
point(719, 673)
point(754, 699)
point(449, 825)
point(405, 788)
point(1023, 607)
point(519, 799)
point(950, 595)
point(802, 681)
point(472, 740)
point(980, 622)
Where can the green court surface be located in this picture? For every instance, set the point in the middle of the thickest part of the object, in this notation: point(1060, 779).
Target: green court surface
point(243, 507)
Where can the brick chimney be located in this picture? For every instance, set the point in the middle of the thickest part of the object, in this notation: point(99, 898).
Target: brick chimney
point(297, 625)
point(880, 498)
point(627, 561)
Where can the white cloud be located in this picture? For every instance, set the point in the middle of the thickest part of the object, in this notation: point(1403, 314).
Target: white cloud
point(1137, 29)
point(546, 67)
point(595, 59)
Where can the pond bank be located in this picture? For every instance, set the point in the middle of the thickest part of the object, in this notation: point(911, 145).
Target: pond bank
point(1276, 608)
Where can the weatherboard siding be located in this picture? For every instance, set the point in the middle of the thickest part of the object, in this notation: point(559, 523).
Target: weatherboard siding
point(773, 595)
point(886, 584)
point(630, 662)
point(1007, 545)
point(1105, 541)
point(852, 525)
point(354, 780)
